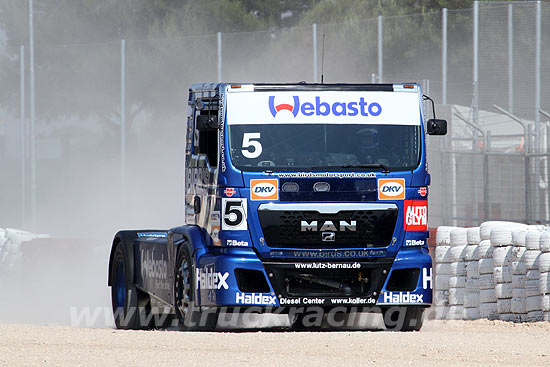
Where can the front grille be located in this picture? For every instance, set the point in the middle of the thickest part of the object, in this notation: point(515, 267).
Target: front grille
point(283, 228)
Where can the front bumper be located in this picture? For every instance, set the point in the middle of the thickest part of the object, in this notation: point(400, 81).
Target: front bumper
point(238, 277)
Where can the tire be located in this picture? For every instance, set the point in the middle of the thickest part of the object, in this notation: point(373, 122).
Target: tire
point(518, 281)
point(485, 266)
point(544, 283)
point(458, 269)
point(544, 262)
point(533, 303)
point(503, 290)
point(456, 312)
point(519, 268)
point(471, 300)
point(500, 255)
point(487, 296)
point(531, 258)
point(443, 236)
point(501, 237)
point(471, 313)
point(486, 281)
point(442, 254)
point(469, 252)
point(472, 285)
point(518, 293)
point(129, 305)
point(408, 318)
point(457, 253)
point(502, 274)
point(518, 305)
point(456, 296)
point(532, 275)
point(545, 241)
point(488, 310)
point(472, 270)
point(473, 236)
point(459, 237)
point(545, 303)
point(442, 269)
point(457, 282)
point(532, 288)
point(189, 316)
point(532, 240)
point(484, 250)
point(442, 282)
point(518, 238)
point(441, 298)
point(516, 254)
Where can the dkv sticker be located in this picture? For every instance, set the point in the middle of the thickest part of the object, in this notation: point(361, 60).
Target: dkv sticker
point(267, 189)
point(391, 189)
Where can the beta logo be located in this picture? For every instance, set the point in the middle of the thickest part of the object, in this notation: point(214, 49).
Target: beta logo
point(414, 243)
point(416, 215)
point(322, 108)
point(264, 189)
point(391, 189)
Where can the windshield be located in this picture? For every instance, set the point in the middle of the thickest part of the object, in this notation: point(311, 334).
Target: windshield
point(321, 147)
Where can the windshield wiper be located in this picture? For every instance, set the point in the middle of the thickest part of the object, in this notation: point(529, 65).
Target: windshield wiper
point(372, 165)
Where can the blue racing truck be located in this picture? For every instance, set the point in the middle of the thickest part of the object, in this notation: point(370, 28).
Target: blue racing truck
point(296, 196)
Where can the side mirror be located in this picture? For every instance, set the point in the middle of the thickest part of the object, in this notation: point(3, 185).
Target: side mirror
point(207, 122)
point(437, 127)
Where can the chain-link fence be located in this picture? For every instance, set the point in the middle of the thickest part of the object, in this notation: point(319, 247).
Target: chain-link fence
point(89, 165)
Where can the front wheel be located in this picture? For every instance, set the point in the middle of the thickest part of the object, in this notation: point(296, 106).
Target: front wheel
point(190, 316)
point(404, 318)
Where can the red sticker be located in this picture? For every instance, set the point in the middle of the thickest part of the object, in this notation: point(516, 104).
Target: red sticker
point(423, 191)
point(416, 215)
point(230, 191)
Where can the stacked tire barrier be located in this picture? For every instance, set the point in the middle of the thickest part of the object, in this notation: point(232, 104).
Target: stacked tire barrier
point(518, 308)
point(457, 279)
point(533, 299)
point(544, 280)
point(500, 270)
point(471, 258)
point(442, 271)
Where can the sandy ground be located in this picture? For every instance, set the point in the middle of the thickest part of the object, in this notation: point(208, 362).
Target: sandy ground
point(440, 343)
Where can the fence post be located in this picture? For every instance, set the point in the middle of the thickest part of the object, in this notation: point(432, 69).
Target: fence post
point(23, 136)
point(486, 191)
point(123, 124)
point(219, 41)
point(32, 148)
point(380, 49)
point(511, 58)
point(444, 57)
point(537, 77)
point(475, 99)
point(314, 39)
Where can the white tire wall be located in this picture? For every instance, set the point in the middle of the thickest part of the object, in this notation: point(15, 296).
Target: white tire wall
point(442, 272)
point(500, 270)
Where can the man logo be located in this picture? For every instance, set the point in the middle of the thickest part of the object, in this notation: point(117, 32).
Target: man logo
point(264, 189)
point(328, 236)
point(391, 189)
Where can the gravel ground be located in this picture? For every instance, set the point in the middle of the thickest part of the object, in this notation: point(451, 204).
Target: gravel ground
point(440, 343)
